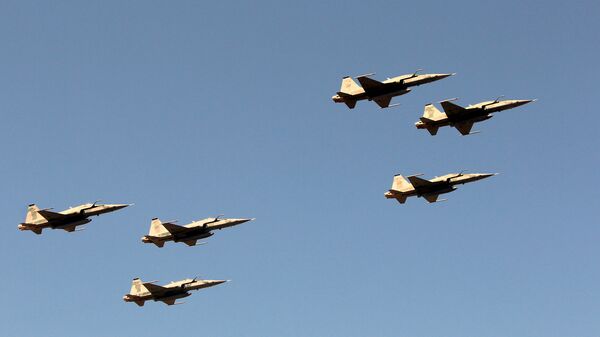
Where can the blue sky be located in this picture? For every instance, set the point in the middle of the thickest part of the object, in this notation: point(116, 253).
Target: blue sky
point(192, 109)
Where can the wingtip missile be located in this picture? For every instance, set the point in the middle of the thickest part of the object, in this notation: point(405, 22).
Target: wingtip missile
point(449, 100)
point(365, 75)
point(391, 106)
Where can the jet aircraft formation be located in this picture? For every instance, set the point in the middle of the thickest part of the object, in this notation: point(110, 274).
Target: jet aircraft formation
point(380, 92)
point(38, 219)
point(461, 118)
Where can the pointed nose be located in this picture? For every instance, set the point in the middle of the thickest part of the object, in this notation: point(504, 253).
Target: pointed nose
point(119, 206)
point(524, 101)
point(436, 77)
point(486, 175)
point(442, 76)
point(241, 221)
point(428, 78)
point(217, 282)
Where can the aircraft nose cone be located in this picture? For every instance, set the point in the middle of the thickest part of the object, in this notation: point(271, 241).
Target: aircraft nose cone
point(119, 206)
point(525, 101)
point(441, 76)
point(487, 175)
point(234, 222)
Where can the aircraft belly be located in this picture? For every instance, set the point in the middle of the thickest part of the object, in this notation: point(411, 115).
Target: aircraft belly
point(391, 92)
point(435, 189)
point(359, 97)
point(495, 109)
point(61, 224)
point(193, 236)
point(172, 296)
point(467, 116)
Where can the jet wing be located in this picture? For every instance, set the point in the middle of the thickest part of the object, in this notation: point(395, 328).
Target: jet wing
point(431, 197)
point(170, 301)
point(190, 242)
point(154, 289)
point(419, 182)
point(50, 216)
point(69, 228)
point(464, 128)
point(383, 101)
point(176, 229)
point(370, 85)
point(452, 110)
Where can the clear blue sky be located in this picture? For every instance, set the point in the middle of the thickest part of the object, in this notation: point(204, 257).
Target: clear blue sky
point(192, 109)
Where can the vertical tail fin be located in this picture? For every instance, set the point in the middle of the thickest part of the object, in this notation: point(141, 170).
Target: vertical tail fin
point(156, 227)
point(432, 113)
point(400, 184)
point(137, 287)
point(32, 214)
point(349, 86)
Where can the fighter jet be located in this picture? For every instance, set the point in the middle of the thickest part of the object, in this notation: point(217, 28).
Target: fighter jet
point(38, 219)
point(160, 232)
point(463, 118)
point(403, 187)
point(144, 291)
point(381, 92)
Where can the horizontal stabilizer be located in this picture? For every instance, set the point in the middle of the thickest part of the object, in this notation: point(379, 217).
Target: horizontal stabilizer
point(155, 240)
point(433, 130)
point(348, 99)
point(32, 227)
point(344, 95)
